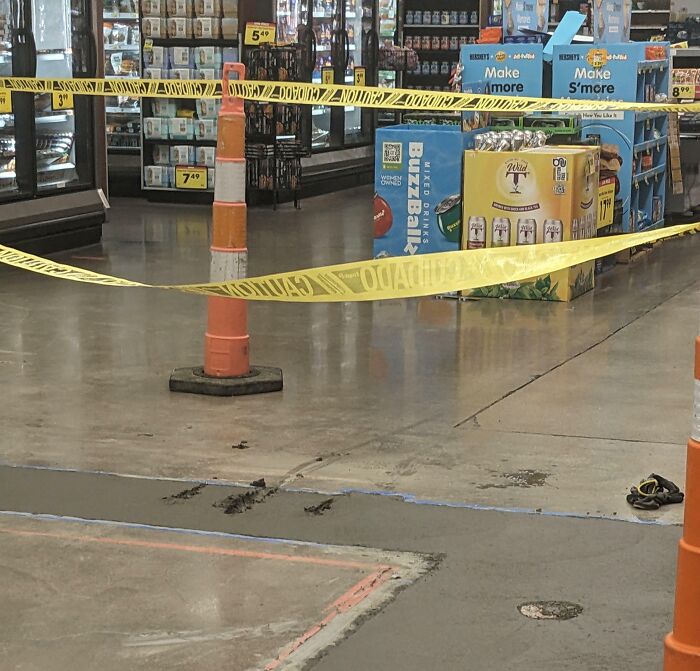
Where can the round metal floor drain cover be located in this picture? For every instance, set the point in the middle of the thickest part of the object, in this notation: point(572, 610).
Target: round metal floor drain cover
point(550, 610)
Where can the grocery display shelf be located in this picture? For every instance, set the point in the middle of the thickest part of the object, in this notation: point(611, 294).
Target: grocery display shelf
point(170, 142)
point(436, 51)
point(650, 144)
point(193, 42)
point(325, 47)
point(122, 47)
point(172, 188)
point(57, 166)
point(123, 110)
point(648, 174)
point(121, 16)
point(643, 116)
point(690, 52)
point(651, 11)
point(655, 27)
point(123, 150)
point(648, 66)
point(58, 183)
point(54, 118)
point(439, 26)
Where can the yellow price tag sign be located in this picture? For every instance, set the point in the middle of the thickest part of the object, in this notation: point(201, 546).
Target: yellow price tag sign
point(5, 102)
point(606, 203)
point(360, 76)
point(327, 76)
point(61, 101)
point(260, 33)
point(683, 91)
point(190, 177)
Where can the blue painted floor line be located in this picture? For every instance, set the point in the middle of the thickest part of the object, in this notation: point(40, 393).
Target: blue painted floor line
point(402, 496)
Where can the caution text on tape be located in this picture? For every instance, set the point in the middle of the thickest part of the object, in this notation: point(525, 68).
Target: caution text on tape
point(400, 277)
point(338, 95)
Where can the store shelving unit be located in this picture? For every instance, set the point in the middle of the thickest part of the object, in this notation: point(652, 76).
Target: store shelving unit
point(274, 146)
point(193, 122)
point(122, 59)
point(453, 23)
point(649, 18)
point(686, 72)
point(634, 144)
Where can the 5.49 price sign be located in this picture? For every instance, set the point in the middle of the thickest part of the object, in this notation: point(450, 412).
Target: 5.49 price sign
point(260, 33)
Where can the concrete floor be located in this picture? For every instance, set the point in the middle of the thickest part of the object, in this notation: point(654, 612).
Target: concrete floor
point(548, 409)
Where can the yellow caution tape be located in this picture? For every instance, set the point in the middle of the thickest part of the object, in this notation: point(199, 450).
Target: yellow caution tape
point(400, 277)
point(338, 95)
point(134, 88)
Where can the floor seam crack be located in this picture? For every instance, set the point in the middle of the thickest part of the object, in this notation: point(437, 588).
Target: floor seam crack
point(535, 378)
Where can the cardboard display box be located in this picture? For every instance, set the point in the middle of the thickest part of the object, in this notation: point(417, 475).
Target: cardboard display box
point(537, 196)
point(418, 185)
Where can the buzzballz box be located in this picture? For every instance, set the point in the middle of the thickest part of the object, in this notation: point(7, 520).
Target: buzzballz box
point(417, 202)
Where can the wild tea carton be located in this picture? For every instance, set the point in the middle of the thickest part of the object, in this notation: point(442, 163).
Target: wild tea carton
point(418, 184)
point(536, 196)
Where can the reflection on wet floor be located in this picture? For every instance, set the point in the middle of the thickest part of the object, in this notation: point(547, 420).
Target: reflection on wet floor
point(385, 373)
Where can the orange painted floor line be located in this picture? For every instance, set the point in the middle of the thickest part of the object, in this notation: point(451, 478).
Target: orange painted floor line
point(354, 596)
point(249, 554)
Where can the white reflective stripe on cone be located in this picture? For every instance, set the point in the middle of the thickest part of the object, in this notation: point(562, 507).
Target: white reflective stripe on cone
point(695, 432)
point(229, 181)
point(227, 266)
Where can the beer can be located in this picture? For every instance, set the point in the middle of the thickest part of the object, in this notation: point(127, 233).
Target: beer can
point(425, 42)
point(463, 18)
point(435, 42)
point(444, 43)
point(454, 43)
point(526, 232)
point(427, 17)
point(454, 18)
point(477, 233)
point(408, 42)
point(553, 230)
point(500, 232)
point(436, 17)
point(445, 18)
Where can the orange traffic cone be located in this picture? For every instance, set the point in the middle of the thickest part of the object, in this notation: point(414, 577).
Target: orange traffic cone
point(226, 370)
point(683, 645)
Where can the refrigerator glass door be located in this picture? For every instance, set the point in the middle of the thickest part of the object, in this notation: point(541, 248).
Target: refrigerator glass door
point(8, 175)
point(55, 115)
point(387, 38)
point(325, 27)
point(359, 26)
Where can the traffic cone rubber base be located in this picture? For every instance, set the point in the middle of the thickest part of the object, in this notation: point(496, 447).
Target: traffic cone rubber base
point(260, 380)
